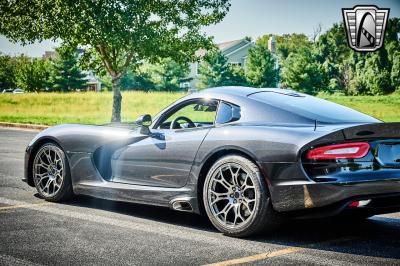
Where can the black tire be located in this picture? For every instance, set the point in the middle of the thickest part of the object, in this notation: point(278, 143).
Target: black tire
point(65, 191)
point(263, 216)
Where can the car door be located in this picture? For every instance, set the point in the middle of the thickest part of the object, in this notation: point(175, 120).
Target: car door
point(165, 158)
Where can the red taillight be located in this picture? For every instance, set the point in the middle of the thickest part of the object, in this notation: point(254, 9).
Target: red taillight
point(339, 151)
point(359, 203)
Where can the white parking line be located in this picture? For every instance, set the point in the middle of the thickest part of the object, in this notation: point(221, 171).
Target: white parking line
point(24, 206)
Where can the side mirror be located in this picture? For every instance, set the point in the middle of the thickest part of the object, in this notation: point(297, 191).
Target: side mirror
point(144, 122)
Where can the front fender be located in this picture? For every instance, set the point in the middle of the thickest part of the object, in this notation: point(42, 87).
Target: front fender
point(75, 138)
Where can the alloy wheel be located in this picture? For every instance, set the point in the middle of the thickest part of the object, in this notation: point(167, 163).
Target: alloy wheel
point(48, 170)
point(232, 195)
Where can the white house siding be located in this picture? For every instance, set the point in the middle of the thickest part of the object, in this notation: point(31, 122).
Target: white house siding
point(239, 55)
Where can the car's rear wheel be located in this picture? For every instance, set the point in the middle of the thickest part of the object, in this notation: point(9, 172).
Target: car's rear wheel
point(51, 174)
point(236, 198)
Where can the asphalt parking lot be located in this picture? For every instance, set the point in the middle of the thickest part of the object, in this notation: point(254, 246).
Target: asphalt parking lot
point(94, 231)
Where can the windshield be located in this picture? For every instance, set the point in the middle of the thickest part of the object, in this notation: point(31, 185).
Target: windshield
point(312, 107)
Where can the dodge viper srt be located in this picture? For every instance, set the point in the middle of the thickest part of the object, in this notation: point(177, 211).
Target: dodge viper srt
point(245, 157)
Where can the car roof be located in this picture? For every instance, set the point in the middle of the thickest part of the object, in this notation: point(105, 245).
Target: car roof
point(275, 104)
point(239, 91)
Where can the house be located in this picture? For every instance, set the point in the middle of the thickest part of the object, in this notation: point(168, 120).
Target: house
point(235, 51)
point(49, 55)
point(93, 82)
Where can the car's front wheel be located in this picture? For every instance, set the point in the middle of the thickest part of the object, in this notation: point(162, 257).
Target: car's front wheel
point(236, 198)
point(51, 174)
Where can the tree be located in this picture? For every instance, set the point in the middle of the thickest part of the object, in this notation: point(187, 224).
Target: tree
point(261, 69)
point(67, 74)
point(215, 71)
point(374, 77)
point(286, 43)
point(121, 32)
point(395, 73)
point(33, 74)
point(333, 53)
point(137, 80)
point(168, 73)
point(392, 45)
point(8, 66)
point(302, 72)
point(237, 76)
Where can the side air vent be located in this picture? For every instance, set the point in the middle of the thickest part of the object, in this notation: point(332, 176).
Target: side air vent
point(102, 161)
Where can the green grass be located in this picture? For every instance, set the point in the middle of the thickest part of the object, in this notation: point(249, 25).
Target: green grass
point(85, 108)
point(95, 108)
point(386, 108)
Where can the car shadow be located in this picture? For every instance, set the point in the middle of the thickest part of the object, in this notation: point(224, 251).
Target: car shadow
point(154, 213)
point(375, 237)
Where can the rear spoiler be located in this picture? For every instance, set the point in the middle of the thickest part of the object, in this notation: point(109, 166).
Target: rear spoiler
point(366, 131)
point(376, 130)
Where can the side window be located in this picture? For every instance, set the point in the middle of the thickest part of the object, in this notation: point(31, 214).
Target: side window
point(227, 113)
point(197, 113)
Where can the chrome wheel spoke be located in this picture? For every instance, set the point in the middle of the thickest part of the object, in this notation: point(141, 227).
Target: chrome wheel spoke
point(247, 187)
point(225, 211)
point(235, 175)
point(41, 177)
point(223, 181)
point(247, 201)
point(238, 215)
point(244, 184)
point(48, 156)
point(245, 204)
point(47, 186)
point(43, 165)
point(219, 196)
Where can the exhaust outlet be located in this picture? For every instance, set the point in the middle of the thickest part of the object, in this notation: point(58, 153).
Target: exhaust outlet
point(182, 205)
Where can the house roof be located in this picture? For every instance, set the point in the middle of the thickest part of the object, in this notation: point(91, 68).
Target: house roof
point(226, 45)
point(221, 46)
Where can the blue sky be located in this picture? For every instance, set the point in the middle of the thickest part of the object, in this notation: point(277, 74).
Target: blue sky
point(254, 18)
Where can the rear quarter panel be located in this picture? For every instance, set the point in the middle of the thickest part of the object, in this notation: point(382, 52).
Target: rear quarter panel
point(266, 145)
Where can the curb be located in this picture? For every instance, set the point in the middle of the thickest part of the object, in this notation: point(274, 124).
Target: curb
point(23, 126)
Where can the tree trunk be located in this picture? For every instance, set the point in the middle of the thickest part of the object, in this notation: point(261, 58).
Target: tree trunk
point(116, 111)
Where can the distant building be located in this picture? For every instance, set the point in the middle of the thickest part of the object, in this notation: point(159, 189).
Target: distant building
point(93, 82)
point(49, 55)
point(272, 44)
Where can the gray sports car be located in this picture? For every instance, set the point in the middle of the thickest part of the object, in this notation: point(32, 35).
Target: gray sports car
point(245, 157)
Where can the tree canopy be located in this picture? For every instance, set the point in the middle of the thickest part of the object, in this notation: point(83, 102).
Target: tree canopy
point(215, 71)
point(261, 68)
point(328, 64)
point(33, 75)
point(67, 75)
point(120, 32)
point(8, 67)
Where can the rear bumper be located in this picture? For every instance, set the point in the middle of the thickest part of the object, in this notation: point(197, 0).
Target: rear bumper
point(333, 197)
